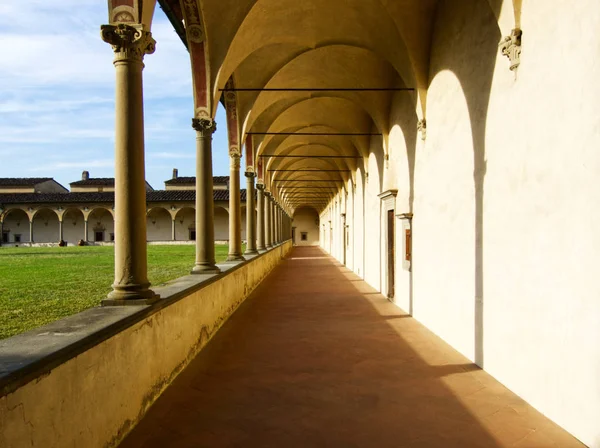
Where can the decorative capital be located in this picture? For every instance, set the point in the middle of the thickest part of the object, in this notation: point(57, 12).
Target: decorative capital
point(234, 161)
point(260, 186)
point(234, 152)
point(129, 42)
point(205, 126)
point(510, 47)
point(250, 174)
point(422, 128)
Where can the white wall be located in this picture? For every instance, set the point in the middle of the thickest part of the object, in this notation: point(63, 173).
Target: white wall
point(506, 245)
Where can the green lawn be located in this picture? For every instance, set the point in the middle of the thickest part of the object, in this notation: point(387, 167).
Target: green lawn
point(39, 285)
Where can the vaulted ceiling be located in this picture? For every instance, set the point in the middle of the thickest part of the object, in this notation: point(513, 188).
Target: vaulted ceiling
point(295, 57)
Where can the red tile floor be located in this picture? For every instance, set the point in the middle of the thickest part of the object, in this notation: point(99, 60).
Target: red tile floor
point(317, 358)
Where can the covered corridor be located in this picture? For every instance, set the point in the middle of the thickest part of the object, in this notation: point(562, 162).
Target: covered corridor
point(316, 357)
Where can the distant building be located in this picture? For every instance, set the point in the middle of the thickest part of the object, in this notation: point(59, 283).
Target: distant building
point(31, 185)
point(41, 211)
point(96, 184)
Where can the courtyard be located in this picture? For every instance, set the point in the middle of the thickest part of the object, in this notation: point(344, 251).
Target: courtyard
point(43, 284)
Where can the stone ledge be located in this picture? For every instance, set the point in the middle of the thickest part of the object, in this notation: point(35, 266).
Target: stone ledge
point(33, 354)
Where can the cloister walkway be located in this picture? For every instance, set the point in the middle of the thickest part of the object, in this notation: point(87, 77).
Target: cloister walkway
point(317, 358)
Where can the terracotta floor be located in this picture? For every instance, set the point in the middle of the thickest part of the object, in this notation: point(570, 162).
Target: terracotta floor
point(316, 358)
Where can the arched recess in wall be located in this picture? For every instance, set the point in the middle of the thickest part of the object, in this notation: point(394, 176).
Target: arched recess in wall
point(159, 225)
point(185, 224)
point(101, 225)
point(473, 66)
point(73, 225)
point(16, 225)
point(403, 142)
point(45, 226)
point(221, 222)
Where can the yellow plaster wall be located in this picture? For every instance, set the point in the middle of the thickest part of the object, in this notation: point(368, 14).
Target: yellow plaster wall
point(93, 400)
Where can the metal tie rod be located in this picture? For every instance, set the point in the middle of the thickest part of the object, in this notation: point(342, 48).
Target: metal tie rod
point(304, 134)
point(306, 180)
point(315, 171)
point(317, 89)
point(297, 156)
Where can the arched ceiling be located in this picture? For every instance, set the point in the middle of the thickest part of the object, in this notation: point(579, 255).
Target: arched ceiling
point(309, 132)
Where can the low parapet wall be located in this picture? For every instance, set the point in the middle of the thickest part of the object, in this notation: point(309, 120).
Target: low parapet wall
point(86, 380)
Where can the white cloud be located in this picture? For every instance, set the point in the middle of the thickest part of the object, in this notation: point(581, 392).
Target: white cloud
point(85, 164)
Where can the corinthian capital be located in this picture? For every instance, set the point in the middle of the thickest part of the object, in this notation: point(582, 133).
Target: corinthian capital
point(206, 127)
point(128, 41)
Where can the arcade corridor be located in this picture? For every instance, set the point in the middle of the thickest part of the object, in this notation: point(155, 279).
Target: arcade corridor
point(316, 358)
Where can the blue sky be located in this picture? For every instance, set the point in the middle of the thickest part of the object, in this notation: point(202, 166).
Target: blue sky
point(57, 96)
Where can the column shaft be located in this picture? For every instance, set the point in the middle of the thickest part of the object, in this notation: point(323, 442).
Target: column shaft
point(85, 230)
point(173, 234)
point(260, 219)
point(250, 216)
point(235, 211)
point(131, 280)
point(31, 230)
point(268, 234)
point(60, 230)
point(205, 208)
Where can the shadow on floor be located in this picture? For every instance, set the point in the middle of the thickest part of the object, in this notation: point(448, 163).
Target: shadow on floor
point(310, 360)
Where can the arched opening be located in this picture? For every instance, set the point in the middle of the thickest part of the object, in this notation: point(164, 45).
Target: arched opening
point(46, 226)
point(185, 224)
point(73, 226)
point(16, 227)
point(159, 225)
point(221, 222)
point(305, 226)
point(101, 226)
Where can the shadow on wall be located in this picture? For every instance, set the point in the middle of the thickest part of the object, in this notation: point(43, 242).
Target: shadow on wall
point(470, 36)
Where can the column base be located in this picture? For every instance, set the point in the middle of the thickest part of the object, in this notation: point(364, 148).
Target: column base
point(235, 257)
point(251, 252)
point(130, 295)
point(205, 269)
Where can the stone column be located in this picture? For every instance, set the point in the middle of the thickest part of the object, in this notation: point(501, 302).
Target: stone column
point(31, 230)
point(130, 44)
point(173, 238)
point(273, 229)
point(60, 230)
point(1, 233)
point(85, 230)
point(277, 223)
point(235, 211)
point(250, 219)
point(205, 208)
point(268, 234)
point(260, 218)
